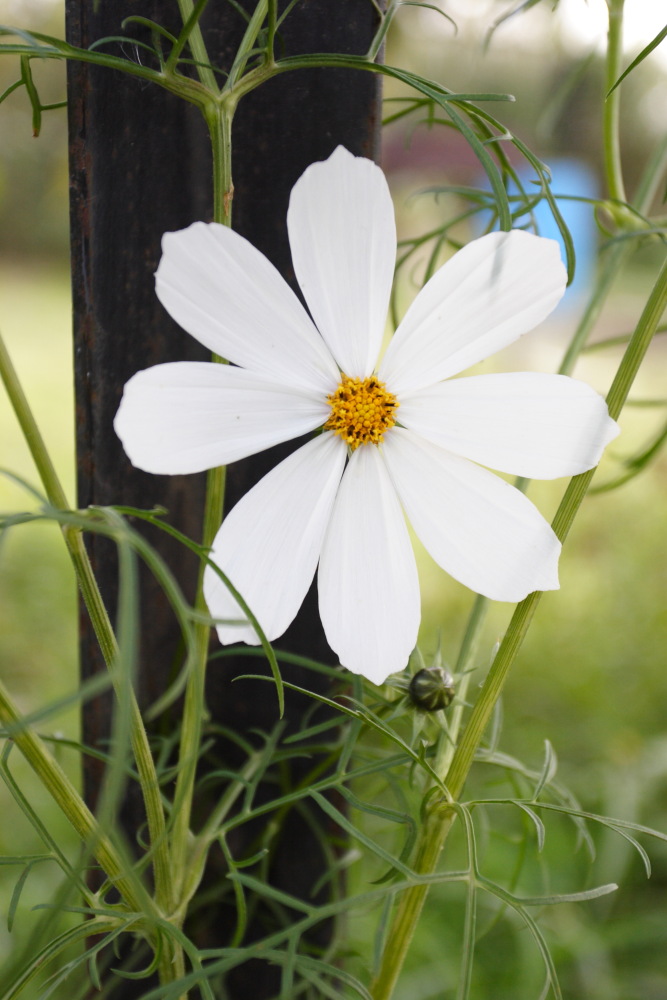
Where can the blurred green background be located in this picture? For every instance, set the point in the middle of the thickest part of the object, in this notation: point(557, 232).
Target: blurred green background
point(592, 674)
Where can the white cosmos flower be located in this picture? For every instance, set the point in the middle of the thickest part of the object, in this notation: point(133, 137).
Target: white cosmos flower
point(419, 447)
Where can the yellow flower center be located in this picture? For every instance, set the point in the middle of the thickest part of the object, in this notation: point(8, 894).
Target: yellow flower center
point(361, 410)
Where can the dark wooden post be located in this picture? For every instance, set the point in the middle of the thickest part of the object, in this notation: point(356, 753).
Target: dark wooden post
point(140, 166)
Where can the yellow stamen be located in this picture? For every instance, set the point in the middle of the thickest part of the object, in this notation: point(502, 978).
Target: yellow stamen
point(362, 410)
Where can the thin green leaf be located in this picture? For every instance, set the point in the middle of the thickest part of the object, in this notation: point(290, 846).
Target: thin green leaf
point(359, 835)
point(23, 483)
point(646, 51)
point(150, 968)
point(549, 769)
point(316, 730)
point(306, 963)
point(613, 824)
point(643, 854)
point(518, 8)
point(151, 25)
point(89, 955)
point(16, 894)
point(40, 46)
point(10, 90)
point(241, 905)
point(542, 173)
point(538, 937)
point(388, 17)
point(30, 38)
point(537, 823)
point(570, 897)
point(369, 720)
point(393, 816)
point(123, 40)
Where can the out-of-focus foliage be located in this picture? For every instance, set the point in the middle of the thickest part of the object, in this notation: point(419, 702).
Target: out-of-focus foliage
point(33, 171)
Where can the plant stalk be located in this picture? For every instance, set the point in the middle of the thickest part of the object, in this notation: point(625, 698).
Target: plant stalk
point(612, 104)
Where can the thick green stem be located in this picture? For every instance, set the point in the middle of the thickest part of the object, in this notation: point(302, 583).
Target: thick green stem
point(612, 105)
point(219, 120)
point(439, 821)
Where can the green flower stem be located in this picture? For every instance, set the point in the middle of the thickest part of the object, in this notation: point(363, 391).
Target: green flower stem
point(105, 636)
point(219, 119)
point(440, 819)
point(612, 105)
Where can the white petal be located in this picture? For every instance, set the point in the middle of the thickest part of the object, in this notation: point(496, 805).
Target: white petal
point(481, 530)
point(368, 586)
point(524, 423)
point(188, 416)
point(224, 292)
point(270, 542)
point(343, 238)
point(489, 294)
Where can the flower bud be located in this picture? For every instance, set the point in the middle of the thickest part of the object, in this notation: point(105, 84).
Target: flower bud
point(432, 688)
